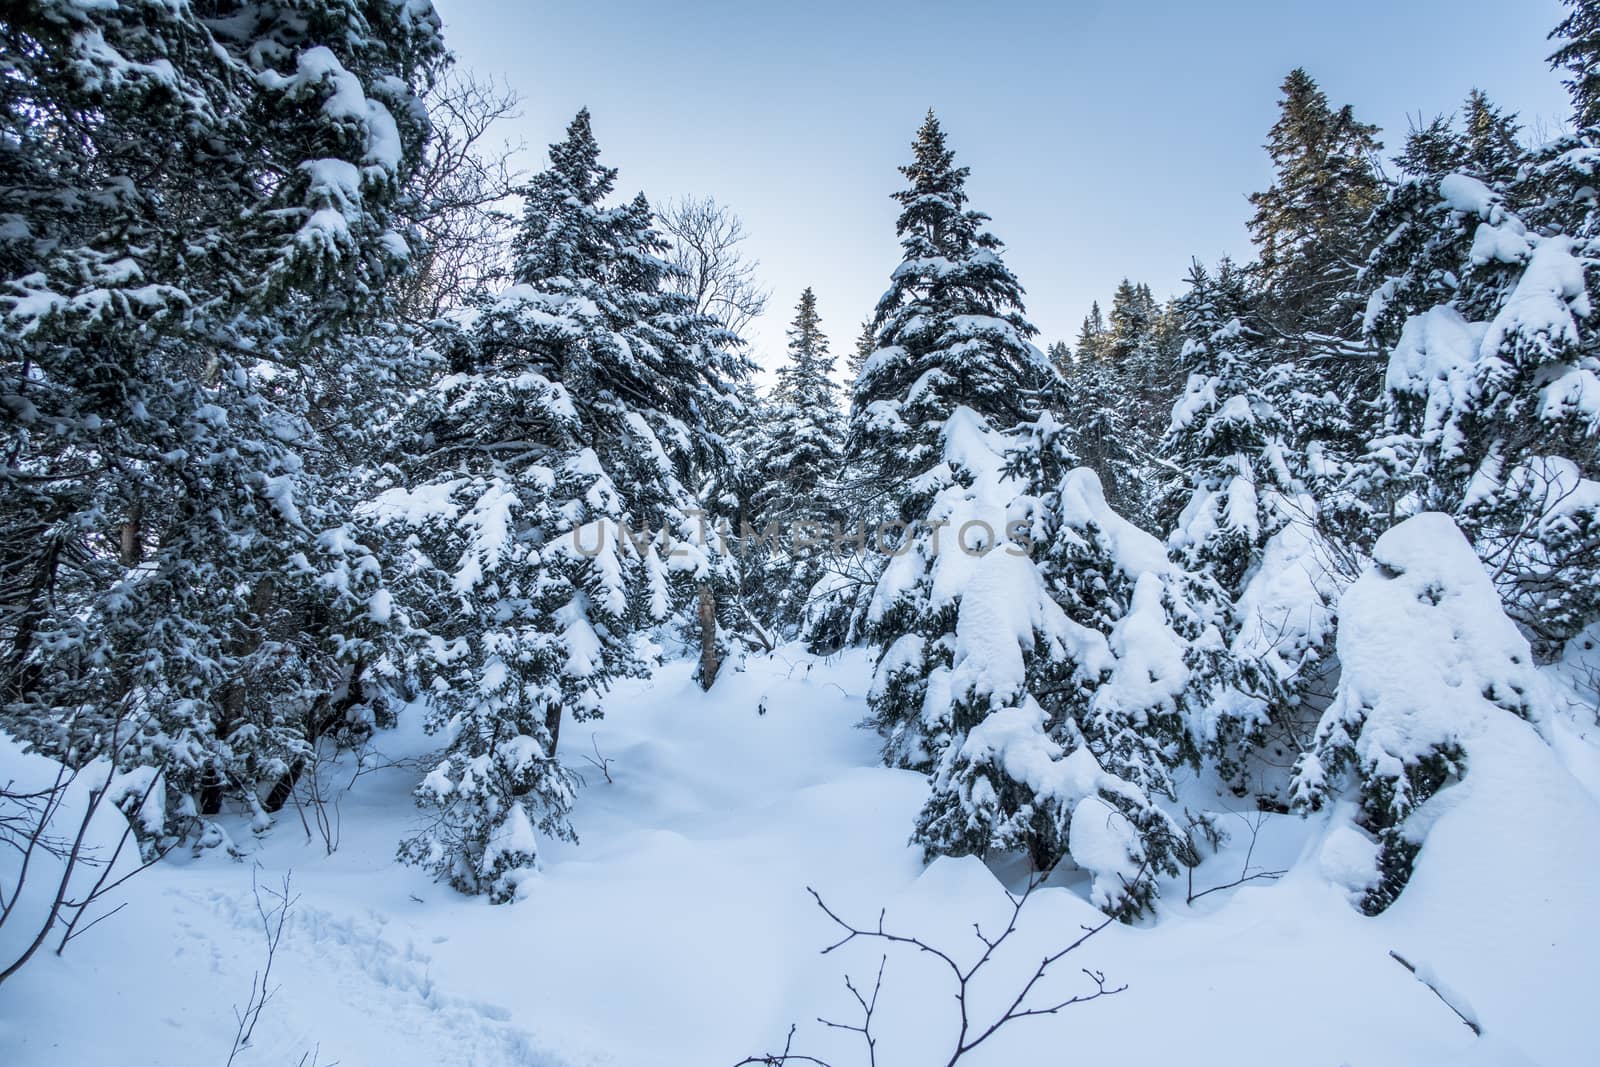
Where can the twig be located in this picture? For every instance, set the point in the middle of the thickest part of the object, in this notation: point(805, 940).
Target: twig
point(867, 1008)
point(1408, 965)
point(261, 991)
point(969, 1036)
point(1244, 870)
point(602, 762)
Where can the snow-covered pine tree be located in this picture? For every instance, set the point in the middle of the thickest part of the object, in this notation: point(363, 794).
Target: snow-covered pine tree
point(974, 644)
point(954, 363)
point(547, 488)
point(1480, 294)
point(1310, 228)
point(1226, 433)
point(1092, 407)
point(1060, 355)
point(797, 459)
point(866, 343)
point(198, 207)
point(515, 623)
point(1399, 736)
point(1249, 536)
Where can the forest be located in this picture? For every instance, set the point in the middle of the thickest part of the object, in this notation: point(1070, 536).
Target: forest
point(428, 634)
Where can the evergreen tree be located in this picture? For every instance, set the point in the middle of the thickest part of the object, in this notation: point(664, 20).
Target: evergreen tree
point(866, 344)
point(1478, 291)
point(1226, 433)
point(954, 362)
point(547, 483)
point(1579, 55)
point(1309, 223)
point(1092, 336)
point(1060, 357)
point(1400, 742)
point(797, 457)
point(1247, 536)
point(1132, 323)
point(199, 210)
point(1065, 708)
point(1094, 413)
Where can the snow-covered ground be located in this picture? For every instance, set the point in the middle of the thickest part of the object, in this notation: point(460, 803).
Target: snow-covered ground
point(679, 932)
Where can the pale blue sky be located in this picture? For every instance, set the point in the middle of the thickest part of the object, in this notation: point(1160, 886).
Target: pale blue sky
point(1105, 138)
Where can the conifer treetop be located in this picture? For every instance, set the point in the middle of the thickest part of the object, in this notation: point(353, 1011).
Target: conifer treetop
point(1579, 56)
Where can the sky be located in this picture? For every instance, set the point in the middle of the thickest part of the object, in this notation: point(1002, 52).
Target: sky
point(1106, 139)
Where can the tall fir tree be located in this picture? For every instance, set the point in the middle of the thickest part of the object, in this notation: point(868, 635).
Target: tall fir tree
point(1092, 335)
point(797, 458)
point(1246, 533)
point(1309, 223)
point(866, 343)
point(1479, 294)
point(548, 493)
point(954, 361)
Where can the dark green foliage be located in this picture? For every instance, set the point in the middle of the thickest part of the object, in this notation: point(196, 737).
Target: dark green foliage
point(1309, 223)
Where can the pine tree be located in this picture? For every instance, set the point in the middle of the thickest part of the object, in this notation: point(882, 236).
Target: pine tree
point(1400, 743)
point(1060, 357)
point(199, 212)
point(547, 496)
point(1066, 705)
point(1579, 55)
point(1226, 433)
point(1247, 535)
point(949, 331)
point(1491, 148)
point(866, 344)
point(1095, 414)
point(954, 362)
point(1132, 322)
point(1309, 223)
point(1092, 336)
point(1478, 291)
point(797, 457)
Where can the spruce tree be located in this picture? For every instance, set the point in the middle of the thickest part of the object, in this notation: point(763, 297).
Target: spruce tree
point(1226, 433)
point(1478, 294)
point(547, 497)
point(1247, 536)
point(1309, 223)
point(1067, 705)
point(1579, 56)
point(954, 362)
point(200, 210)
point(1092, 335)
point(797, 457)
point(866, 343)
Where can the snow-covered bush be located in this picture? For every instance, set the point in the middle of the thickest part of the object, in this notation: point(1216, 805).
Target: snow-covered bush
point(1403, 723)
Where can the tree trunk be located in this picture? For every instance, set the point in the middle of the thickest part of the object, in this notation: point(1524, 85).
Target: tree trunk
point(552, 722)
point(710, 660)
point(133, 535)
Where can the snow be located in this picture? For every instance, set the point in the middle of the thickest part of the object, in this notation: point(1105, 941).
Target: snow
point(1465, 662)
point(1150, 669)
point(1286, 608)
point(416, 507)
point(1105, 842)
point(679, 932)
point(1083, 501)
point(1549, 294)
